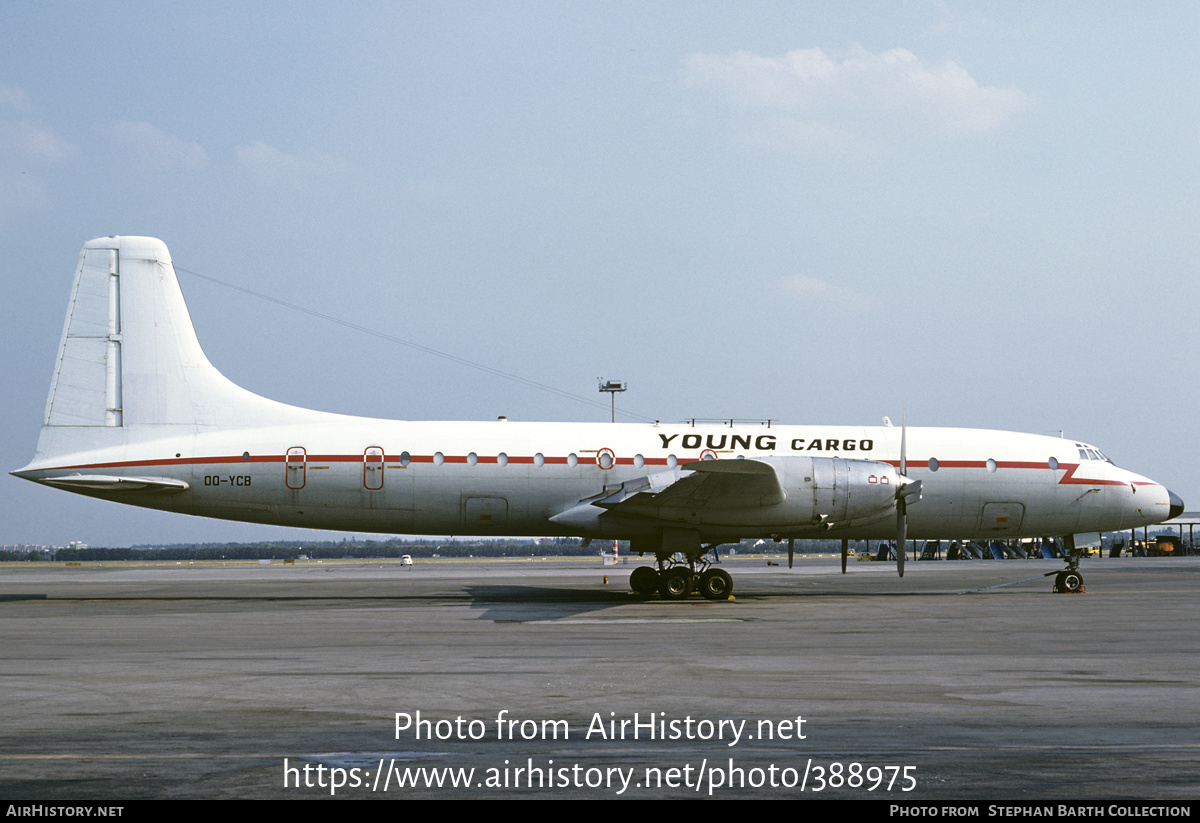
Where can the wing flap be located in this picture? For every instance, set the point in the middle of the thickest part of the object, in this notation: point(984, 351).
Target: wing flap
point(707, 484)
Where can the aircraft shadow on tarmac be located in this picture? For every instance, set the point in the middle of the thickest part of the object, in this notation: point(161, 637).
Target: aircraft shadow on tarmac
point(525, 603)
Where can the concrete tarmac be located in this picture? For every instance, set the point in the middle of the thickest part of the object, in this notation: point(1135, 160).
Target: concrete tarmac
point(249, 681)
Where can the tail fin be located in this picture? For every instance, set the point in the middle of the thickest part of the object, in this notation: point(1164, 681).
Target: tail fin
point(129, 361)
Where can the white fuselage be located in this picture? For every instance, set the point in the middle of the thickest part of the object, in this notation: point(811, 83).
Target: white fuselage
point(508, 478)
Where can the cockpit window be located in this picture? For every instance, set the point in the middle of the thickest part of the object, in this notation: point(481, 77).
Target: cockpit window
point(1087, 452)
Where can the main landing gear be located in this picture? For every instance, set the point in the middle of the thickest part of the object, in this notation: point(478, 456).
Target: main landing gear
point(676, 580)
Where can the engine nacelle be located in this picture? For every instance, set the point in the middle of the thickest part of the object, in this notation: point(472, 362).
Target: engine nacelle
point(835, 491)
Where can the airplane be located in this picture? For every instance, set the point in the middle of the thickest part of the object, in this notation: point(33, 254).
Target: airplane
point(137, 414)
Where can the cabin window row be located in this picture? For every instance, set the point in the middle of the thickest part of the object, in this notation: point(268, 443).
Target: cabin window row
point(605, 459)
point(991, 464)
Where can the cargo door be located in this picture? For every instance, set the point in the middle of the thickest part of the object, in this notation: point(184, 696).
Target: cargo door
point(295, 468)
point(373, 468)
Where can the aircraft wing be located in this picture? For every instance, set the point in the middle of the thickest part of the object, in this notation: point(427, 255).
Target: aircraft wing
point(716, 484)
point(701, 484)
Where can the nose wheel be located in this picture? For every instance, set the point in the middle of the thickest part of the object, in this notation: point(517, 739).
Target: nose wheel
point(1070, 580)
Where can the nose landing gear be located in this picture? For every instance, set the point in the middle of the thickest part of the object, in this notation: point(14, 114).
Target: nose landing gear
point(1070, 580)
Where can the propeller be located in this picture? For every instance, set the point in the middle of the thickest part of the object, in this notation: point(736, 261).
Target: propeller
point(906, 490)
point(845, 551)
point(791, 550)
point(901, 503)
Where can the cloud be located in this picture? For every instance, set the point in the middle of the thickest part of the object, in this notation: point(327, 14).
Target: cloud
point(275, 166)
point(14, 98)
point(26, 148)
point(858, 101)
point(150, 147)
point(24, 141)
point(21, 193)
point(813, 291)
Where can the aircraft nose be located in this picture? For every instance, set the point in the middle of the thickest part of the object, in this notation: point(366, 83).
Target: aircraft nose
point(1176, 504)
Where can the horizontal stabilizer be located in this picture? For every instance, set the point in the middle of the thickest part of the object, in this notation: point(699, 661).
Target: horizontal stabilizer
point(107, 482)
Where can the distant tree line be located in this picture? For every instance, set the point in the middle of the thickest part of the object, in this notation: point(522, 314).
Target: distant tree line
point(386, 549)
point(394, 548)
point(335, 550)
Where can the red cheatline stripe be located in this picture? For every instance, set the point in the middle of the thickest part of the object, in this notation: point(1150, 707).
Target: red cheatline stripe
point(1068, 477)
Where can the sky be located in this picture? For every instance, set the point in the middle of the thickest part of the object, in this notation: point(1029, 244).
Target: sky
point(974, 214)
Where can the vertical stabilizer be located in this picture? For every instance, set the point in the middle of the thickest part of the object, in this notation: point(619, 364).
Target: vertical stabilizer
point(129, 362)
point(129, 355)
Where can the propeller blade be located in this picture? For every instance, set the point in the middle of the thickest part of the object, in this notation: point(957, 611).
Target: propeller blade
point(901, 501)
point(845, 551)
point(791, 550)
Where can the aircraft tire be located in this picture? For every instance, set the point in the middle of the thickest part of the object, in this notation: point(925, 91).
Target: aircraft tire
point(644, 580)
point(1068, 582)
point(675, 584)
point(716, 584)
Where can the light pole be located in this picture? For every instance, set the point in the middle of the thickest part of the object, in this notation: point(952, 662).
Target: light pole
point(612, 387)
